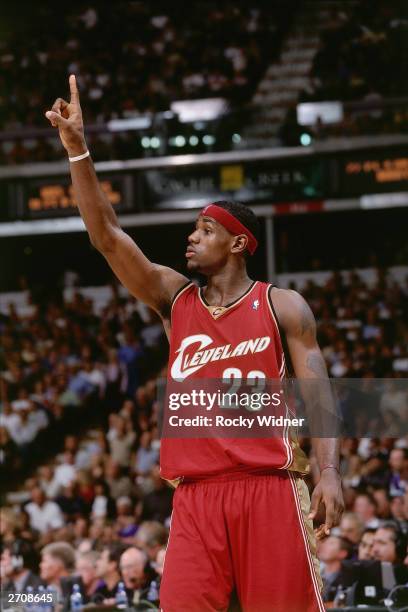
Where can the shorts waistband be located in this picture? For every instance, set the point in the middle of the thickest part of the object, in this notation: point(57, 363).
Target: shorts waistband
point(237, 475)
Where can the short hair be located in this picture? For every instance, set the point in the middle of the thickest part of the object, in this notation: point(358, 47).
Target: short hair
point(115, 551)
point(368, 496)
point(371, 530)
point(63, 552)
point(90, 555)
point(399, 538)
point(152, 533)
point(345, 544)
point(244, 215)
point(354, 517)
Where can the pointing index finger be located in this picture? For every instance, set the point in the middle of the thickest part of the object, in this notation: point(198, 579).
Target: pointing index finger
point(73, 89)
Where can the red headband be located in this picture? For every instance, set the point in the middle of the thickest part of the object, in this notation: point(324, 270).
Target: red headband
point(230, 223)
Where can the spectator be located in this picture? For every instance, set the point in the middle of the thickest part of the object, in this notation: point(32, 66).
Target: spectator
point(351, 527)
point(122, 442)
point(151, 537)
point(107, 570)
point(125, 518)
point(47, 481)
point(57, 562)
point(136, 572)
point(86, 568)
point(389, 543)
point(398, 460)
point(118, 482)
point(71, 504)
point(157, 503)
point(18, 561)
point(65, 473)
point(365, 507)
point(365, 547)
point(332, 551)
point(159, 564)
point(146, 456)
point(44, 514)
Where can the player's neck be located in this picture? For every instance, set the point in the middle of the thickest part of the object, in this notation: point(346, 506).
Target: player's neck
point(226, 286)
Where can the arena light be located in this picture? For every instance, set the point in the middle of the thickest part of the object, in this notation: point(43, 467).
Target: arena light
point(155, 142)
point(193, 140)
point(236, 138)
point(208, 139)
point(206, 109)
point(145, 142)
point(179, 141)
point(308, 113)
point(305, 139)
point(136, 123)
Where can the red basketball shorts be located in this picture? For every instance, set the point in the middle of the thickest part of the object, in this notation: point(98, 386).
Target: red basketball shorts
point(247, 531)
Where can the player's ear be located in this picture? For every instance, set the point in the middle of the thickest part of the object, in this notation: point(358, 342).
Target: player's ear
point(239, 244)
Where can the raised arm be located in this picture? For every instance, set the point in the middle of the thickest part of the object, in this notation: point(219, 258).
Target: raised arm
point(153, 284)
point(299, 325)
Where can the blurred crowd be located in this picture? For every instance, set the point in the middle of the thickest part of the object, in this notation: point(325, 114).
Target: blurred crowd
point(84, 502)
point(135, 57)
point(166, 52)
point(361, 50)
point(157, 54)
point(361, 57)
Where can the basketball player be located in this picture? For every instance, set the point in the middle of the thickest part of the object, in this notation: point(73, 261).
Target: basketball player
point(240, 516)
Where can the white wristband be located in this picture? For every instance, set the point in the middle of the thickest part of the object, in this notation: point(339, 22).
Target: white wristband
point(79, 157)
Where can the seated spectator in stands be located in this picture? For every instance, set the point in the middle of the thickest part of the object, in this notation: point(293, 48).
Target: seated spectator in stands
point(86, 569)
point(389, 543)
point(44, 514)
point(121, 443)
point(351, 528)
point(130, 354)
point(80, 530)
point(365, 507)
point(151, 537)
point(159, 563)
point(117, 480)
point(71, 504)
point(146, 456)
point(107, 570)
point(47, 481)
point(332, 551)
point(18, 561)
point(66, 472)
point(382, 498)
point(137, 573)
point(365, 547)
point(158, 503)
point(57, 563)
point(397, 511)
point(103, 505)
point(9, 458)
point(398, 460)
point(125, 518)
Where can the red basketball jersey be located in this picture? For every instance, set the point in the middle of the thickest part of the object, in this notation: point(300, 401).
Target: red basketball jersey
point(241, 340)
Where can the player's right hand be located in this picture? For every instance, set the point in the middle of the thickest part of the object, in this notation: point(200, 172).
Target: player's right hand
point(67, 117)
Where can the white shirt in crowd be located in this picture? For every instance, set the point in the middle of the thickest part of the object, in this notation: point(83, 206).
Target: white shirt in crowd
point(45, 517)
point(64, 474)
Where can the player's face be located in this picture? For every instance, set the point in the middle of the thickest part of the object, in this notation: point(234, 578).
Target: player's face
point(208, 246)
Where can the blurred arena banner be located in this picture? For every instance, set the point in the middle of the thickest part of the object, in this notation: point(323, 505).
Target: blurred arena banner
point(318, 178)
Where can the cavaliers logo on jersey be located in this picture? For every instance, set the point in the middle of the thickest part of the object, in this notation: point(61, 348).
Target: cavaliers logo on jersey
point(187, 363)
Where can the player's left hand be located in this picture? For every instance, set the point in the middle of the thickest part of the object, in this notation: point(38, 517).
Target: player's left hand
point(327, 491)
